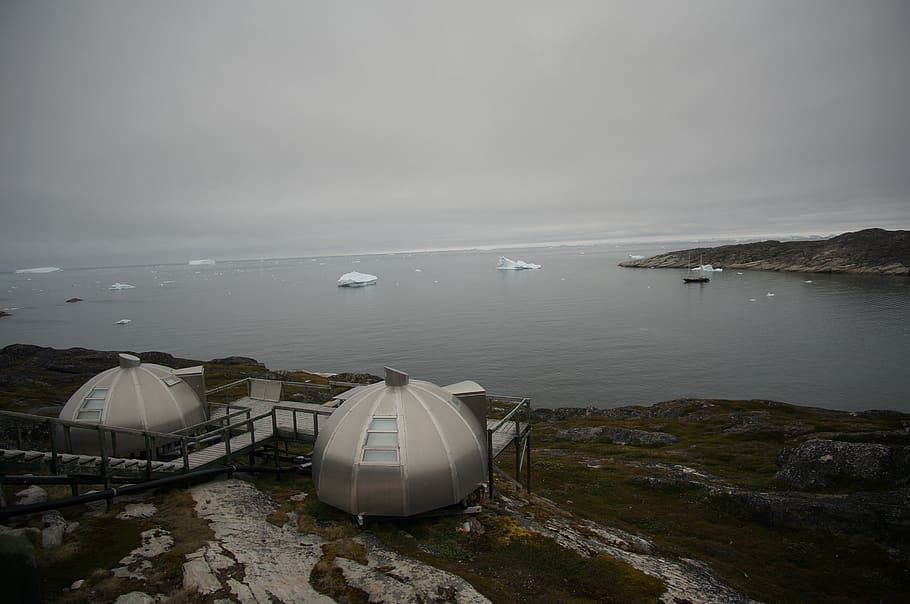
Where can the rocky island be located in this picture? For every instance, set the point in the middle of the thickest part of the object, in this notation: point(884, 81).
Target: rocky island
point(688, 500)
point(874, 251)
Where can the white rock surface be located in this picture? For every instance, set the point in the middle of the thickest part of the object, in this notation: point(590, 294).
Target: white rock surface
point(137, 510)
point(155, 542)
point(30, 495)
point(54, 529)
point(135, 597)
point(404, 579)
point(277, 561)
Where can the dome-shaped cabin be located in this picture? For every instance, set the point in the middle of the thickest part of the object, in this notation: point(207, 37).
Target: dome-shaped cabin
point(398, 448)
point(136, 395)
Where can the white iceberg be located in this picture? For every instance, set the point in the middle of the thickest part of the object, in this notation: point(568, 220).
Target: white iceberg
point(355, 279)
point(119, 285)
point(770, 295)
point(201, 262)
point(124, 321)
point(40, 269)
point(707, 268)
point(635, 257)
point(505, 264)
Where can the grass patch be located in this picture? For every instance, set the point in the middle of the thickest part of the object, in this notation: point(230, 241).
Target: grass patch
point(508, 563)
point(763, 560)
point(328, 579)
point(97, 545)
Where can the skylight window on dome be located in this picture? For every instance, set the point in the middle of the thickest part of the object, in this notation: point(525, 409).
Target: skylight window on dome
point(93, 404)
point(171, 380)
point(381, 445)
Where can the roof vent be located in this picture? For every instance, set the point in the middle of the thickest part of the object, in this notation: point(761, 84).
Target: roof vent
point(128, 360)
point(393, 377)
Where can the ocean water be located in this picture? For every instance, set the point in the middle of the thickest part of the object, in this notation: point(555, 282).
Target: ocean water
point(580, 331)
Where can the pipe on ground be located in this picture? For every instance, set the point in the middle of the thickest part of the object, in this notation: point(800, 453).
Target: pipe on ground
point(33, 508)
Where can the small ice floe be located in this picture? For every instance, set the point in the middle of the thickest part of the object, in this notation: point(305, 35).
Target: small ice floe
point(355, 279)
point(770, 294)
point(635, 257)
point(38, 270)
point(201, 262)
point(505, 264)
point(739, 273)
point(355, 261)
point(123, 321)
point(418, 270)
point(707, 268)
point(167, 282)
point(119, 285)
point(751, 299)
point(808, 281)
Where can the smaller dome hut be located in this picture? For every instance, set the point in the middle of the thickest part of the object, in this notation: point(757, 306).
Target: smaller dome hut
point(400, 447)
point(136, 395)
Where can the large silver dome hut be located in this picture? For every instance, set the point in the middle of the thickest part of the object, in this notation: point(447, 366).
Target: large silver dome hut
point(398, 448)
point(141, 396)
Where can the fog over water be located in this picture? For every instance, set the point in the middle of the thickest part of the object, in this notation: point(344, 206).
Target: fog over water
point(579, 331)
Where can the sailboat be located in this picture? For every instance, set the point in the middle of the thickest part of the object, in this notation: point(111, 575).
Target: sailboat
point(689, 278)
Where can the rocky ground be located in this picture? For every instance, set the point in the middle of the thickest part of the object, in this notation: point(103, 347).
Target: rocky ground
point(689, 500)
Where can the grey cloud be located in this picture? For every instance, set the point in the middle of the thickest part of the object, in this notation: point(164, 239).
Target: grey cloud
point(223, 129)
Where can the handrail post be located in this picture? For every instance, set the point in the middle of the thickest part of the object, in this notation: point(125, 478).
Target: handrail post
point(53, 432)
point(275, 440)
point(294, 421)
point(227, 443)
point(490, 462)
point(104, 463)
point(113, 444)
point(67, 439)
point(186, 457)
point(18, 435)
point(528, 467)
point(252, 443)
point(148, 455)
point(315, 425)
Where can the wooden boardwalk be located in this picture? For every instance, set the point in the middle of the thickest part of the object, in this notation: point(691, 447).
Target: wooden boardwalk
point(293, 421)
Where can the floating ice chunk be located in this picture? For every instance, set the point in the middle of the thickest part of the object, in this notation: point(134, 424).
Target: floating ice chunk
point(418, 270)
point(124, 321)
point(40, 269)
point(708, 269)
point(635, 257)
point(739, 273)
point(808, 281)
point(769, 294)
point(505, 264)
point(166, 282)
point(751, 299)
point(201, 262)
point(355, 279)
point(119, 285)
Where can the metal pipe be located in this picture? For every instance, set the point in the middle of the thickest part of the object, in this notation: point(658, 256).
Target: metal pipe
point(34, 508)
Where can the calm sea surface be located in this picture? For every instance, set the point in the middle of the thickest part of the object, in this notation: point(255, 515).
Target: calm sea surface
point(580, 331)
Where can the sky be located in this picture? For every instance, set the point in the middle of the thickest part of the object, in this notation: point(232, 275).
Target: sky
point(142, 132)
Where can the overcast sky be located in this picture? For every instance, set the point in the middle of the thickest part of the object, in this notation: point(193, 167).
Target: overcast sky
point(163, 131)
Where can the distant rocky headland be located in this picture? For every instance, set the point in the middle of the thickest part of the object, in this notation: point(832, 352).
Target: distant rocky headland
point(874, 251)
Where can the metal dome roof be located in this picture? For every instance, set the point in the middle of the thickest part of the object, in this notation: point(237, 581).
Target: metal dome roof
point(141, 396)
point(398, 448)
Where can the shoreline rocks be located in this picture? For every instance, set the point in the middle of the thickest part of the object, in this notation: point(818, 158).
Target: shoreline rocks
point(872, 251)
